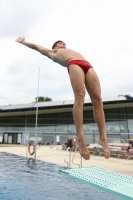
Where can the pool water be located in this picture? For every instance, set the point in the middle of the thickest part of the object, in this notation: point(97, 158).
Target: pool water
point(20, 180)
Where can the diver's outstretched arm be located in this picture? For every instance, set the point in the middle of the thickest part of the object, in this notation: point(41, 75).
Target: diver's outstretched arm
point(46, 52)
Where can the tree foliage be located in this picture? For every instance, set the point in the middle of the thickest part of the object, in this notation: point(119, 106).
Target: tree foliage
point(42, 99)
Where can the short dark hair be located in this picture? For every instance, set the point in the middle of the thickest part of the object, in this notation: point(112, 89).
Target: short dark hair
point(56, 43)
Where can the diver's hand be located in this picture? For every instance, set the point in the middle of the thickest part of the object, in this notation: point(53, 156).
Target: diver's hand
point(20, 40)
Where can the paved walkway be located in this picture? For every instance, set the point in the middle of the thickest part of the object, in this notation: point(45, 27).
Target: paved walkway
point(48, 154)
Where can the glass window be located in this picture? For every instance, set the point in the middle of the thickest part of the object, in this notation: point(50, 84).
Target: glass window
point(49, 123)
point(89, 125)
point(62, 122)
point(112, 121)
point(19, 138)
point(22, 123)
point(123, 120)
point(71, 125)
point(30, 123)
point(49, 129)
point(3, 123)
point(5, 137)
point(130, 119)
point(13, 121)
point(40, 124)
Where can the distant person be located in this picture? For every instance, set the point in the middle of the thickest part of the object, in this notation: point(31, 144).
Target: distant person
point(130, 148)
point(74, 142)
point(69, 142)
point(74, 139)
point(81, 74)
point(48, 143)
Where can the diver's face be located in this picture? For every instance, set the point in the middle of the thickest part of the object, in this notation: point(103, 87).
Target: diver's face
point(60, 45)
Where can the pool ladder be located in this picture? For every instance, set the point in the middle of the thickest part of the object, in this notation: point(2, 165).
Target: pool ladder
point(69, 151)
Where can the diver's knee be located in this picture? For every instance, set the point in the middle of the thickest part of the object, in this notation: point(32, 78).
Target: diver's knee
point(97, 101)
point(79, 97)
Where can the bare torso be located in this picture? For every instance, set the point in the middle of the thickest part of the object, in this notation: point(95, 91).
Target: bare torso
point(63, 55)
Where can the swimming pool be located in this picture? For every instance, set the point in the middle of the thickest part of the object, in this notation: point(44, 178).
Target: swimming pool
point(21, 181)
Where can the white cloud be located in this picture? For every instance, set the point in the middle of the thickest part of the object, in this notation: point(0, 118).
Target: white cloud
point(17, 17)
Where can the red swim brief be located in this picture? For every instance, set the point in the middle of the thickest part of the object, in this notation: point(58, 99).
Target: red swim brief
point(82, 63)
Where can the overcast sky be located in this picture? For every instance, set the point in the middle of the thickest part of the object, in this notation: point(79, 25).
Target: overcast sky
point(101, 30)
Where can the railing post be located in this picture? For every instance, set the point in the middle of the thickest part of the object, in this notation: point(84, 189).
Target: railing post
point(69, 157)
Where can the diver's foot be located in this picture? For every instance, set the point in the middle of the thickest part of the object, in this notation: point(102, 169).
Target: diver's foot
point(104, 144)
point(84, 152)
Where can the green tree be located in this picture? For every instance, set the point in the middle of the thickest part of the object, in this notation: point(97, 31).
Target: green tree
point(42, 99)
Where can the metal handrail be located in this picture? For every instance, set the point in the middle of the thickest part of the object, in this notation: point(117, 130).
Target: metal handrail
point(80, 165)
point(68, 163)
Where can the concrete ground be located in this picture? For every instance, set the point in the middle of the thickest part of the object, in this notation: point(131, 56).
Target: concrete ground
point(56, 155)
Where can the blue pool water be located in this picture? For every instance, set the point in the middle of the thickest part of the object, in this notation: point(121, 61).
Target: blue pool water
point(20, 181)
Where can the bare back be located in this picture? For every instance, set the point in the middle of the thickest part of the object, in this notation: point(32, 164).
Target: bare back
point(63, 55)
